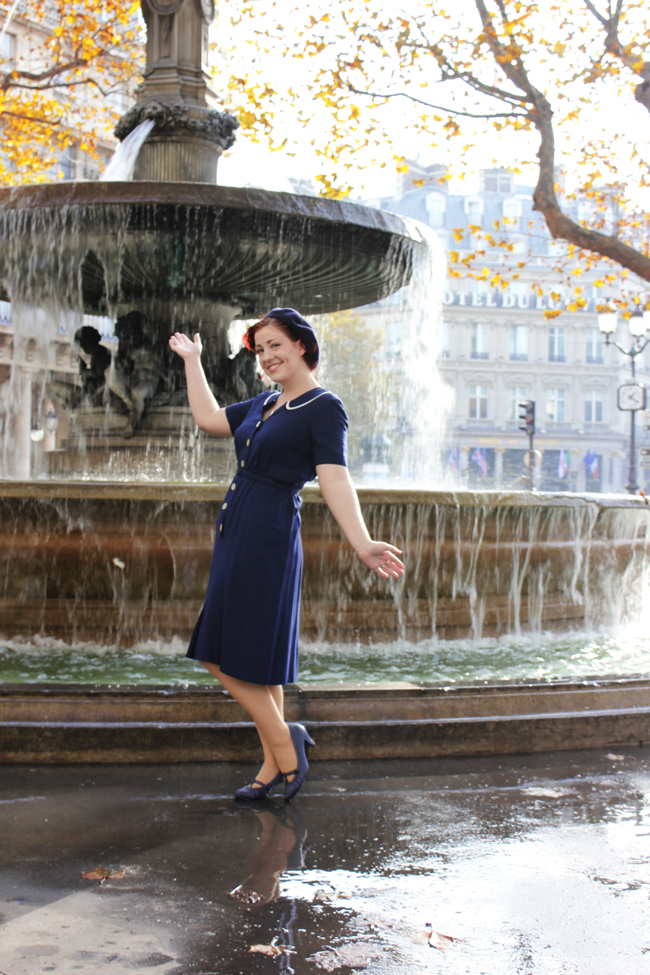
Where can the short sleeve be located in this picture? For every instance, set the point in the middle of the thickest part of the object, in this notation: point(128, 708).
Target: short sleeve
point(236, 413)
point(329, 432)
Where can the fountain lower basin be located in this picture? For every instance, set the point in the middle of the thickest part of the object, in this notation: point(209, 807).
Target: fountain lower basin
point(120, 564)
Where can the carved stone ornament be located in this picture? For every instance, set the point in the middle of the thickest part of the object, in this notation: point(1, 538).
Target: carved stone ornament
point(216, 126)
point(165, 7)
point(207, 9)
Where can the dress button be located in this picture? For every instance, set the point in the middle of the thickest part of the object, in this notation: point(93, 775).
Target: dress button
point(221, 527)
point(232, 487)
point(248, 443)
point(242, 463)
point(224, 506)
point(258, 424)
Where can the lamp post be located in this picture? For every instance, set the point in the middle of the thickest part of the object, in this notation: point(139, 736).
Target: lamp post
point(632, 395)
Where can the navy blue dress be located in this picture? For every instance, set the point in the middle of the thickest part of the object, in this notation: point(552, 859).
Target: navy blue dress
point(249, 623)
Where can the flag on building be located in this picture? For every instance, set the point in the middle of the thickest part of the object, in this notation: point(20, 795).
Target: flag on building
point(563, 463)
point(590, 460)
point(480, 459)
point(453, 460)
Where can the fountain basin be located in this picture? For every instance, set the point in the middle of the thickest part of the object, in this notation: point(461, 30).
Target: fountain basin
point(245, 249)
point(122, 563)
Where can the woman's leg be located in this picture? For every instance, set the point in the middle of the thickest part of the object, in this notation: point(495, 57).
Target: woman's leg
point(270, 767)
point(265, 704)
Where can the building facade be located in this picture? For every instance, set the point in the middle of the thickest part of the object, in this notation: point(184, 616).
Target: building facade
point(499, 349)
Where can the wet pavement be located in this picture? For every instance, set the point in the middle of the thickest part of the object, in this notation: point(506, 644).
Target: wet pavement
point(533, 864)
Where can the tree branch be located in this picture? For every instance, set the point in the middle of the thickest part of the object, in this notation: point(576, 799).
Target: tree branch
point(440, 108)
point(545, 200)
point(31, 118)
point(614, 47)
point(9, 80)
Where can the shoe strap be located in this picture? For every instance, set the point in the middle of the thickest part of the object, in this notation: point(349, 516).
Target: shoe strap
point(285, 775)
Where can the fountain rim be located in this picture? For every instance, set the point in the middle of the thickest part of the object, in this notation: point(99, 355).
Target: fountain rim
point(143, 192)
point(82, 490)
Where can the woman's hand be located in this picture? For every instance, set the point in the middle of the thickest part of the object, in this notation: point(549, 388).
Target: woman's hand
point(185, 348)
point(382, 559)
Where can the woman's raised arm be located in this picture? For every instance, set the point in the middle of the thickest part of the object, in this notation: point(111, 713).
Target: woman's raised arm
point(341, 498)
point(207, 414)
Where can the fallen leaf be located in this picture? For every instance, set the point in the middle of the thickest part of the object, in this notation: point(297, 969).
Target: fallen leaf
point(272, 950)
point(102, 874)
point(245, 896)
point(350, 956)
point(328, 896)
point(442, 942)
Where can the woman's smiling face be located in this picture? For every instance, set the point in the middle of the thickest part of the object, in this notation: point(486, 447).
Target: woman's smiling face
point(279, 355)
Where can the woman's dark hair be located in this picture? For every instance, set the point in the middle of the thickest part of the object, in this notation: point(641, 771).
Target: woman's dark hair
point(311, 354)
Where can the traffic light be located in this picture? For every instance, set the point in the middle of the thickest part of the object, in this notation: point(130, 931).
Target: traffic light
point(527, 414)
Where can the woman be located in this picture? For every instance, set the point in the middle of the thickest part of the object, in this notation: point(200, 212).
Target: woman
point(247, 633)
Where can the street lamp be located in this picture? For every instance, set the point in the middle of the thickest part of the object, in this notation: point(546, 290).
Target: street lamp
point(632, 395)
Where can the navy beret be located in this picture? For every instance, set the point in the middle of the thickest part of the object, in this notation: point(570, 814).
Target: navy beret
point(298, 325)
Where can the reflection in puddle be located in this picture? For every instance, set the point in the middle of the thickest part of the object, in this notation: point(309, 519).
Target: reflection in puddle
point(280, 848)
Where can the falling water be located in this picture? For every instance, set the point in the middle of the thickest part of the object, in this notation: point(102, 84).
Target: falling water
point(122, 162)
point(121, 566)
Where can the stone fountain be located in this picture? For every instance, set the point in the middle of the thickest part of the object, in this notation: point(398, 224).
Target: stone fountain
point(121, 562)
point(170, 250)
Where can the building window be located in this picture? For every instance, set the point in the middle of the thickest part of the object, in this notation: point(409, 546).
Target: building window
point(8, 47)
point(478, 402)
point(496, 181)
point(443, 338)
point(512, 209)
point(585, 213)
point(516, 395)
point(436, 205)
point(556, 405)
point(556, 345)
point(394, 339)
point(474, 211)
point(519, 343)
point(593, 406)
point(479, 342)
point(594, 345)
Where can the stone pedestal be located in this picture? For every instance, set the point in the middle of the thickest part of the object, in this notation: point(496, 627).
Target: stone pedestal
point(189, 132)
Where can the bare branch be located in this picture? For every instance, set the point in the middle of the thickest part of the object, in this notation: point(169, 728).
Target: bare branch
point(614, 47)
point(32, 118)
point(11, 78)
point(590, 6)
point(440, 108)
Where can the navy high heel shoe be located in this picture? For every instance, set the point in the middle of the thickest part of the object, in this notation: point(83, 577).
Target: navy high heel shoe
point(259, 791)
point(301, 740)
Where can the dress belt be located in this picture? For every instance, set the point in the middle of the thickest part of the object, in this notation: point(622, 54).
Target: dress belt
point(262, 479)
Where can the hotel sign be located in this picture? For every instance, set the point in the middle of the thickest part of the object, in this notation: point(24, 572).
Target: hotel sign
point(504, 299)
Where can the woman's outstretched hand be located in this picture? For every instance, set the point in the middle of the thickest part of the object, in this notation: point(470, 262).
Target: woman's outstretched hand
point(382, 559)
point(183, 345)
